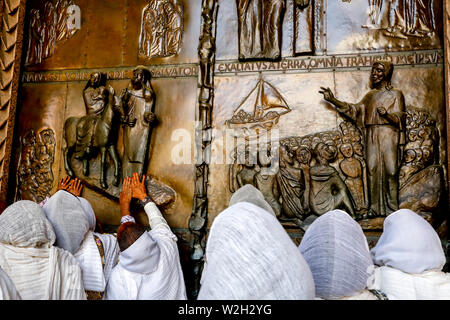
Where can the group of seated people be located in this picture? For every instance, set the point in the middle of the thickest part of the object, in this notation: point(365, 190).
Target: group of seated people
point(56, 250)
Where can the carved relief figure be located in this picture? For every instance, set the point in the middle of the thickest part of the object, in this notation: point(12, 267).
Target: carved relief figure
point(35, 174)
point(260, 28)
point(161, 29)
point(328, 191)
point(402, 18)
point(291, 182)
point(97, 131)
point(353, 172)
point(47, 28)
point(380, 115)
point(137, 102)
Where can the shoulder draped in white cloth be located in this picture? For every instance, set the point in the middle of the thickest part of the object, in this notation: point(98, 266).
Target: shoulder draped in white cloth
point(411, 257)
point(39, 270)
point(249, 255)
point(74, 222)
point(337, 252)
point(8, 290)
point(150, 268)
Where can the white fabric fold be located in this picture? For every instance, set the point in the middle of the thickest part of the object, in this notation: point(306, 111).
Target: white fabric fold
point(39, 270)
point(399, 285)
point(8, 290)
point(250, 256)
point(150, 268)
point(411, 257)
point(89, 259)
point(337, 252)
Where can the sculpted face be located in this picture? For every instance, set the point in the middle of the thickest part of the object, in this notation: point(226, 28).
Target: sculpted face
point(410, 155)
point(358, 148)
point(95, 79)
point(138, 78)
point(347, 150)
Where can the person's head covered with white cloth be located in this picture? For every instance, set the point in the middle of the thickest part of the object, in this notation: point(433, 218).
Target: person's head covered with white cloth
point(149, 265)
point(74, 222)
point(337, 252)
point(411, 258)
point(38, 269)
point(249, 255)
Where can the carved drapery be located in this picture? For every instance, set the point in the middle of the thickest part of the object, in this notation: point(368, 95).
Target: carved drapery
point(12, 22)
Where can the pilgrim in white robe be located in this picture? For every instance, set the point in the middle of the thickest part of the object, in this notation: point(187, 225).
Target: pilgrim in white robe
point(249, 256)
point(336, 250)
point(150, 268)
point(410, 257)
point(39, 270)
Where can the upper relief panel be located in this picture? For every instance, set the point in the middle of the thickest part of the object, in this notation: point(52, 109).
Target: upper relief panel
point(381, 25)
point(73, 34)
point(276, 29)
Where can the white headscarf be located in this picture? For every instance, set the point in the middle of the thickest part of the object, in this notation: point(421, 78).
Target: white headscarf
point(409, 243)
point(8, 290)
point(74, 222)
point(149, 269)
point(69, 220)
point(250, 256)
point(250, 194)
point(38, 269)
point(338, 254)
point(89, 211)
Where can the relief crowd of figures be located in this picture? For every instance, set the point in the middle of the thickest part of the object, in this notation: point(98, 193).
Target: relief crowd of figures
point(327, 170)
point(47, 28)
point(35, 174)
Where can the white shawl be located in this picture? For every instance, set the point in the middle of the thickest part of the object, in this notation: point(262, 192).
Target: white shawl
point(39, 270)
point(150, 268)
point(8, 290)
point(249, 256)
point(74, 219)
point(410, 256)
point(337, 252)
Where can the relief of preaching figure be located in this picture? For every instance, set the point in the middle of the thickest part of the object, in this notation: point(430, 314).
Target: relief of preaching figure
point(260, 28)
point(137, 102)
point(381, 116)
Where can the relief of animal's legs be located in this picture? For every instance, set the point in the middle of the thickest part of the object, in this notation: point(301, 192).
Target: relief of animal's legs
point(117, 165)
point(103, 168)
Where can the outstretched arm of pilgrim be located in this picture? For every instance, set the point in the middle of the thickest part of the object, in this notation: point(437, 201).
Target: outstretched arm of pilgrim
point(155, 218)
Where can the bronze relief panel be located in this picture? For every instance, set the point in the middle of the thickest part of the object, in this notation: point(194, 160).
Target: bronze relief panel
point(327, 164)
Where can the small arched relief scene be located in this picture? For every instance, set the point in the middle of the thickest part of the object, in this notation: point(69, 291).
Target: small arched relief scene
point(51, 24)
point(161, 29)
point(36, 157)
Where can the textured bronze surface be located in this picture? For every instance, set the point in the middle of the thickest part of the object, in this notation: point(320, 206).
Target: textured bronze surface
point(206, 69)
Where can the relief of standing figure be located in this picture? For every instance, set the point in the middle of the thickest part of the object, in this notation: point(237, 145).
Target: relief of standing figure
point(380, 115)
point(137, 102)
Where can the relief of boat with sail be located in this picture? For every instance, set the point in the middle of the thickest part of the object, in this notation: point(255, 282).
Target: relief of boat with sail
point(260, 111)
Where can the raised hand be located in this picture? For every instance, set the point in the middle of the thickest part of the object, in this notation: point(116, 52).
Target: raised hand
point(64, 183)
point(138, 187)
point(125, 197)
point(75, 187)
point(327, 94)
